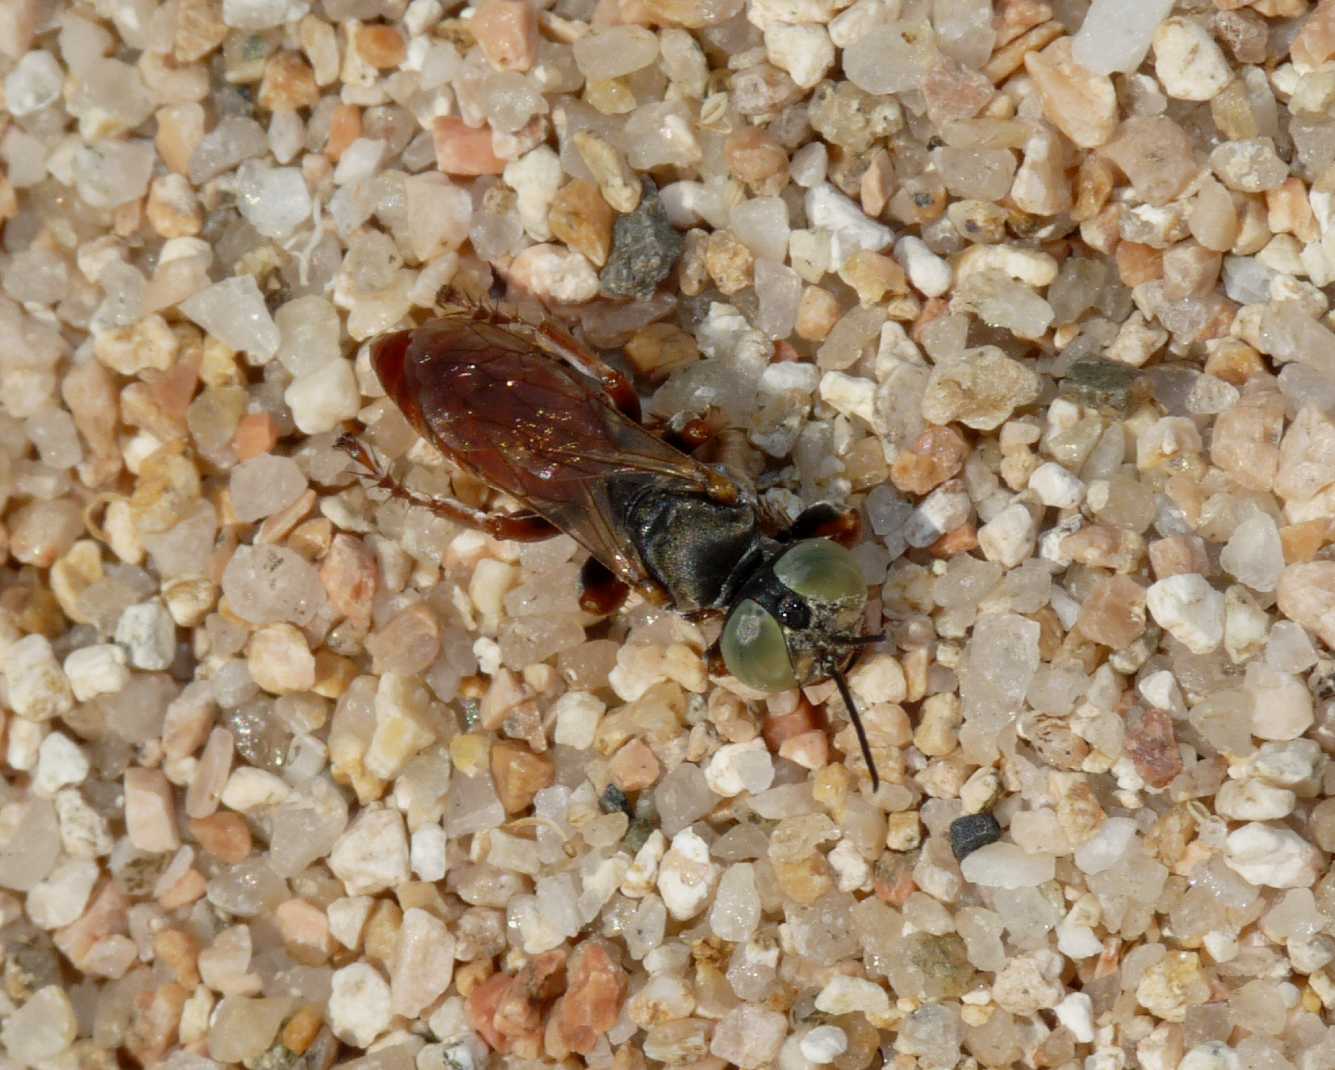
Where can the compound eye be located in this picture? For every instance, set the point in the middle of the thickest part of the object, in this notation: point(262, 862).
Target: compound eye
point(754, 650)
point(822, 571)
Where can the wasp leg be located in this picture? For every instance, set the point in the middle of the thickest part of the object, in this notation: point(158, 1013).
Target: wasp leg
point(714, 664)
point(601, 590)
point(622, 393)
point(825, 521)
point(618, 386)
point(482, 307)
point(514, 527)
point(653, 593)
point(691, 436)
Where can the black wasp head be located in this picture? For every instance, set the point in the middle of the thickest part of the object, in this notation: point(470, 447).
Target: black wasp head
point(797, 621)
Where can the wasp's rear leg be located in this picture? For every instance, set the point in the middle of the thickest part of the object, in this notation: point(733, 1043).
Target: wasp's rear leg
point(825, 521)
point(618, 385)
point(601, 590)
point(516, 527)
point(623, 395)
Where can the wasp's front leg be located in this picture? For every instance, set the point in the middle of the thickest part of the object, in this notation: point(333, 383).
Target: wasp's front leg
point(825, 521)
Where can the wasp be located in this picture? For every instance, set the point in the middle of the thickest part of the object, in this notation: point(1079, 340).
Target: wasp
point(530, 412)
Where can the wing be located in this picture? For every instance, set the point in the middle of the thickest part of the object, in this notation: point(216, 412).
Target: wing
point(532, 426)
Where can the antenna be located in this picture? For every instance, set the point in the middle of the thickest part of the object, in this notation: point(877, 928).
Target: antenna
point(852, 708)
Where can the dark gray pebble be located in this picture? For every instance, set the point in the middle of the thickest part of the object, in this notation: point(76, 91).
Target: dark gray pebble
point(615, 799)
point(1106, 385)
point(645, 248)
point(972, 831)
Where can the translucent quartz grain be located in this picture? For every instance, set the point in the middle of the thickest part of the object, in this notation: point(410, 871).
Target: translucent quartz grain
point(32, 847)
point(1003, 865)
point(892, 58)
point(42, 1028)
point(1116, 34)
point(736, 909)
point(615, 51)
point(264, 486)
point(272, 583)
